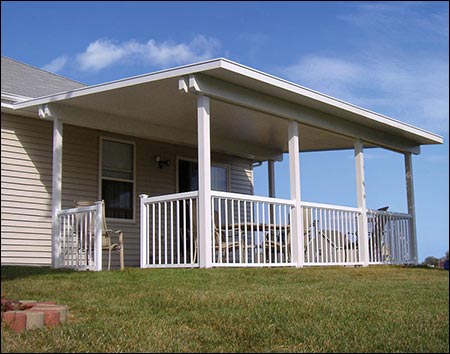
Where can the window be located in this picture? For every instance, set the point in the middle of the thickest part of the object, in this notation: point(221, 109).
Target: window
point(188, 181)
point(188, 177)
point(219, 178)
point(117, 179)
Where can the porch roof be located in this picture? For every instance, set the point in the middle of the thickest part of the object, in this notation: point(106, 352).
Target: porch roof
point(249, 112)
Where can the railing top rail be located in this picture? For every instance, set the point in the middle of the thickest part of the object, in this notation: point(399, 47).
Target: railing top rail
point(252, 198)
point(170, 197)
point(388, 213)
point(84, 209)
point(329, 206)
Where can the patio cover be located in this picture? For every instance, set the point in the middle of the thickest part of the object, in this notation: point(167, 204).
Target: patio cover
point(250, 111)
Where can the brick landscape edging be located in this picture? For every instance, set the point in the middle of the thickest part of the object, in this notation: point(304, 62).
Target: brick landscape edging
point(39, 314)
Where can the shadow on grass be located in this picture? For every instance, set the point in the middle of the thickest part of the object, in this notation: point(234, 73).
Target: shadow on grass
point(16, 272)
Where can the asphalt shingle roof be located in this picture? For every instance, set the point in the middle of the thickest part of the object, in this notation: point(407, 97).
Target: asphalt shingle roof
point(25, 80)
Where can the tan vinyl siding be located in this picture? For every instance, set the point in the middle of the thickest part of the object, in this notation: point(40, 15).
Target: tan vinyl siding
point(80, 165)
point(26, 160)
point(81, 181)
point(27, 178)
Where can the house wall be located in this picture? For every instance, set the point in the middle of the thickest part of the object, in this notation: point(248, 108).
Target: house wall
point(80, 181)
point(26, 172)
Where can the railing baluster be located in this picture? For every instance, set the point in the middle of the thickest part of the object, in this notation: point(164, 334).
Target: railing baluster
point(184, 231)
point(239, 231)
point(171, 231)
point(226, 233)
point(245, 232)
point(252, 233)
point(178, 232)
point(258, 232)
point(153, 233)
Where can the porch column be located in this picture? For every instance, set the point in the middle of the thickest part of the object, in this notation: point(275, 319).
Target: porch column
point(363, 234)
point(204, 182)
point(56, 188)
point(271, 175)
point(298, 256)
point(411, 206)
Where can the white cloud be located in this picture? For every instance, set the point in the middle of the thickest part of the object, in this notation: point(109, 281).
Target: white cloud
point(56, 64)
point(104, 53)
point(396, 68)
point(167, 53)
point(417, 93)
point(325, 74)
point(324, 68)
point(101, 54)
point(397, 19)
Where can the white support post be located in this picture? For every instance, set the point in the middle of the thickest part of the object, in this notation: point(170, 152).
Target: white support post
point(363, 233)
point(411, 206)
point(271, 175)
point(144, 232)
point(204, 182)
point(98, 235)
point(294, 178)
point(56, 190)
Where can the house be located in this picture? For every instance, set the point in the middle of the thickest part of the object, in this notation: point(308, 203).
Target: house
point(171, 156)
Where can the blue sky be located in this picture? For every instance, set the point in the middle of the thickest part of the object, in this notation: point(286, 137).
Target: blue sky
point(389, 57)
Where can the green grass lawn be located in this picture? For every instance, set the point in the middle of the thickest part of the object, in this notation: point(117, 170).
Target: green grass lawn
point(373, 309)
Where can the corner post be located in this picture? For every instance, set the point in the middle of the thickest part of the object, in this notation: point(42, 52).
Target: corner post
point(298, 256)
point(98, 235)
point(56, 190)
point(204, 181)
point(411, 207)
point(363, 233)
point(144, 231)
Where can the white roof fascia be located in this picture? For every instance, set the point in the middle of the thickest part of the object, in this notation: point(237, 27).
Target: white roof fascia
point(238, 69)
point(136, 80)
point(13, 97)
point(317, 96)
point(8, 100)
point(7, 105)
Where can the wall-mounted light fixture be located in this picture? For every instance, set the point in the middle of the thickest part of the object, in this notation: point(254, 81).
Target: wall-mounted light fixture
point(162, 163)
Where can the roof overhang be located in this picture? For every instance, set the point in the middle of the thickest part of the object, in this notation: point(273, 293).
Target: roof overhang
point(249, 112)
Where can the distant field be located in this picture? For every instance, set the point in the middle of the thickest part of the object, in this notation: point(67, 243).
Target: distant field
point(373, 309)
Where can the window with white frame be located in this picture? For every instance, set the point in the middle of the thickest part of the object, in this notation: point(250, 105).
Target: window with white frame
point(117, 178)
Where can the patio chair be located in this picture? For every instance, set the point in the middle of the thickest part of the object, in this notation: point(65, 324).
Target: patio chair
point(278, 243)
point(221, 235)
point(326, 244)
point(107, 245)
point(377, 235)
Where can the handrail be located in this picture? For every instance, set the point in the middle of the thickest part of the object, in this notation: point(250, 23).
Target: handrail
point(170, 197)
point(329, 206)
point(77, 210)
point(388, 213)
point(252, 198)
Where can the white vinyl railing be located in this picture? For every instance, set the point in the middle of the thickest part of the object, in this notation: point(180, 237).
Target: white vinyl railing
point(330, 234)
point(250, 230)
point(246, 231)
point(80, 238)
point(169, 230)
point(389, 237)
